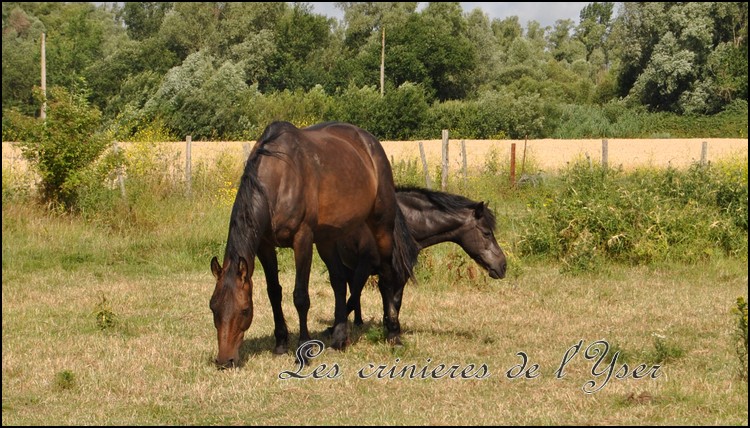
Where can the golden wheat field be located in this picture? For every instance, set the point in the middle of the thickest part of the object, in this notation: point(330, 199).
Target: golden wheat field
point(546, 154)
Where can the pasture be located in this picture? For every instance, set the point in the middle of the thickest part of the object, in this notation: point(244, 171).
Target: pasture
point(106, 321)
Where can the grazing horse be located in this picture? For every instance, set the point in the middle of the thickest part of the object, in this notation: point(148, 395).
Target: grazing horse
point(302, 187)
point(431, 217)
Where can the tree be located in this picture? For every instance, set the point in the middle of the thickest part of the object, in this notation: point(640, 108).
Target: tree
point(562, 45)
point(506, 31)
point(21, 41)
point(143, 19)
point(189, 27)
point(300, 38)
point(594, 27)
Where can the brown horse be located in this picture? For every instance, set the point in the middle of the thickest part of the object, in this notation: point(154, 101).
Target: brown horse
point(302, 187)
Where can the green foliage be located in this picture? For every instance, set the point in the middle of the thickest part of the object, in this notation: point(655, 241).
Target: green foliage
point(65, 380)
point(670, 53)
point(225, 70)
point(615, 120)
point(408, 173)
point(105, 318)
point(402, 112)
point(298, 107)
point(645, 216)
point(359, 105)
point(665, 351)
point(143, 19)
point(61, 147)
point(740, 334)
point(21, 35)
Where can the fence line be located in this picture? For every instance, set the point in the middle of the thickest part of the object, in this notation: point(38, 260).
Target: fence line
point(544, 154)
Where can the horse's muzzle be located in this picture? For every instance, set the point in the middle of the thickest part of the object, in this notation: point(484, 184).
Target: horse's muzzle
point(229, 364)
point(497, 273)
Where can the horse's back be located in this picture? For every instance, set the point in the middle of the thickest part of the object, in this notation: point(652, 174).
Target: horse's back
point(328, 175)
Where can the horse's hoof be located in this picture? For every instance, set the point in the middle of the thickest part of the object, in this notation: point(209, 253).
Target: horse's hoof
point(359, 322)
point(341, 345)
point(394, 341)
point(280, 350)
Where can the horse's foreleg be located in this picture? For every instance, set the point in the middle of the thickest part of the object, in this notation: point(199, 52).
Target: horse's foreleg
point(337, 273)
point(267, 257)
point(356, 284)
point(303, 252)
point(387, 285)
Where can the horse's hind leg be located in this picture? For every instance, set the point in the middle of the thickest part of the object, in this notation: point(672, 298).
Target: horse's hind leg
point(303, 252)
point(337, 272)
point(267, 257)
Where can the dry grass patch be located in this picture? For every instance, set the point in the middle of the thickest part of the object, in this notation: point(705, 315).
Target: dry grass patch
point(154, 366)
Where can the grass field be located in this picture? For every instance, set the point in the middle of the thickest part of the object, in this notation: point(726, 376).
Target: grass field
point(112, 326)
point(106, 318)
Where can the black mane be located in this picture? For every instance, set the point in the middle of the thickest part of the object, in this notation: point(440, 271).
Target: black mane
point(451, 202)
point(249, 212)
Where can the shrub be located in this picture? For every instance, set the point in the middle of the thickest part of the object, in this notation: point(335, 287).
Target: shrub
point(740, 334)
point(62, 146)
point(641, 217)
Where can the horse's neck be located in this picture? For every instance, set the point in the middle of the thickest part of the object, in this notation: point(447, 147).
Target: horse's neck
point(432, 226)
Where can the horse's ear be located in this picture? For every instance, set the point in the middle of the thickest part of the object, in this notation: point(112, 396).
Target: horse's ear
point(242, 269)
point(215, 268)
point(479, 210)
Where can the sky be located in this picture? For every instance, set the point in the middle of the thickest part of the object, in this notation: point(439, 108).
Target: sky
point(546, 13)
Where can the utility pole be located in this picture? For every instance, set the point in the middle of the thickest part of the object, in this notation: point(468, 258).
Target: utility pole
point(382, 65)
point(43, 113)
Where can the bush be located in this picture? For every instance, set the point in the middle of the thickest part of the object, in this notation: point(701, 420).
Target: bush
point(359, 106)
point(402, 113)
point(740, 334)
point(62, 146)
point(641, 217)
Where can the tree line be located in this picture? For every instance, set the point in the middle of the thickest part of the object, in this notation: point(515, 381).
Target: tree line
point(220, 70)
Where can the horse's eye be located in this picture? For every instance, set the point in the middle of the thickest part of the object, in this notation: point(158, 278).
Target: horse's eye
point(246, 312)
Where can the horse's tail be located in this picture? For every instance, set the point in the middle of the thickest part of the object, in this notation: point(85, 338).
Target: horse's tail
point(405, 250)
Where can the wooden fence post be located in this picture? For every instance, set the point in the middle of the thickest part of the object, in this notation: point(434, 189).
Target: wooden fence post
point(605, 154)
point(188, 164)
point(463, 156)
point(704, 153)
point(513, 165)
point(444, 178)
point(426, 170)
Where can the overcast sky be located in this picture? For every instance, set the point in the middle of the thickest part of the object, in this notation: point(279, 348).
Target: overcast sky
point(544, 13)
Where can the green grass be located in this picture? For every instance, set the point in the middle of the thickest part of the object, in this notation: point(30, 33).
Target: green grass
point(154, 364)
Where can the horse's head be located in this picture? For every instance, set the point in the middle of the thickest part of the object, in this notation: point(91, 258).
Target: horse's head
point(478, 240)
point(232, 306)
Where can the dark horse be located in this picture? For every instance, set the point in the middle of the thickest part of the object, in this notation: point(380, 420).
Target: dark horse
point(302, 187)
point(432, 217)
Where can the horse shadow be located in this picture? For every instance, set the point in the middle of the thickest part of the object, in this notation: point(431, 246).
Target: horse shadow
point(259, 345)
